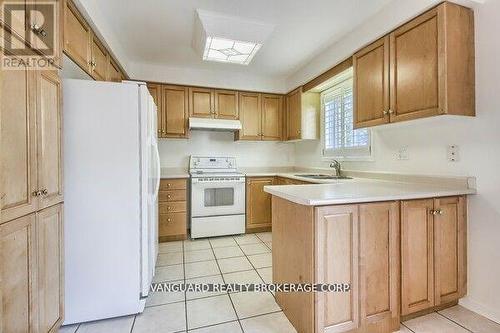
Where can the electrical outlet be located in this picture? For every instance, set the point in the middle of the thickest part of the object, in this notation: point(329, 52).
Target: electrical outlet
point(453, 153)
point(403, 153)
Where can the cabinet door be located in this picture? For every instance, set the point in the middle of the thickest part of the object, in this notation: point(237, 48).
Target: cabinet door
point(114, 73)
point(417, 63)
point(201, 103)
point(99, 62)
point(47, 39)
point(294, 116)
point(379, 264)
point(17, 24)
point(250, 116)
point(272, 107)
point(371, 84)
point(18, 144)
point(50, 267)
point(417, 256)
point(49, 138)
point(450, 245)
point(17, 275)
point(175, 111)
point(337, 253)
point(156, 92)
point(76, 37)
point(226, 104)
point(258, 203)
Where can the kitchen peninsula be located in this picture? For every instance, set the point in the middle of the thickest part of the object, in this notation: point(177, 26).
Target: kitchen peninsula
point(400, 245)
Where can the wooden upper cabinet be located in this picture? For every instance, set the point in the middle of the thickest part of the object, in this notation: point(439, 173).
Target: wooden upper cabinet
point(18, 275)
point(175, 111)
point(250, 116)
point(18, 144)
point(17, 25)
point(432, 64)
point(417, 256)
point(45, 25)
point(77, 36)
point(156, 92)
point(50, 267)
point(371, 84)
point(272, 116)
point(258, 203)
point(49, 138)
point(337, 255)
point(226, 104)
point(99, 60)
point(114, 74)
point(416, 59)
point(294, 115)
point(201, 103)
point(379, 264)
point(450, 241)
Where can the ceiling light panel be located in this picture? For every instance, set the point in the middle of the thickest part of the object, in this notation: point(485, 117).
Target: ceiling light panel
point(229, 51)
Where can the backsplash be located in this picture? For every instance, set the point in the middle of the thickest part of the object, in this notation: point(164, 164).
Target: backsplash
point(174, 153)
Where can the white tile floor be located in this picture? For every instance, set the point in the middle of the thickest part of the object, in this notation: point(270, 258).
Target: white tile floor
point(240, 259)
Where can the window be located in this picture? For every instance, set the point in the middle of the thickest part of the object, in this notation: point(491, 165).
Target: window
point(339, 138)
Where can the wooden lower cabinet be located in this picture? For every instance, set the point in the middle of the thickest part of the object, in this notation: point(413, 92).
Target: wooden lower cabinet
point(50, 268)
point(172, 210)
point(433, 253)
point(31, 292)
point(258, 204)
point(359, 245)
point(18, 275)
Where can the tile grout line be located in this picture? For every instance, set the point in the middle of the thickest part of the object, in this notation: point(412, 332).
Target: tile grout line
point(185, 293)
point(133, 324)
point(408, 328)
point(256, 271)
point(454, 322)
point(224, 281)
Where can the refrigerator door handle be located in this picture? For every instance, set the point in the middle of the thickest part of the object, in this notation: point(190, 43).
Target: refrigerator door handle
point(158, 171)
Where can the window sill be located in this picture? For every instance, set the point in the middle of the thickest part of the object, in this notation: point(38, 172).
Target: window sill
point(349, 158)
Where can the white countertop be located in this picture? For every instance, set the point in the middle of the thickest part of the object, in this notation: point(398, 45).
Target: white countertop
point(362, 190)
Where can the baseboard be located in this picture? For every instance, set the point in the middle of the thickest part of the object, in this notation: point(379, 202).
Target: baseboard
point(485, 311)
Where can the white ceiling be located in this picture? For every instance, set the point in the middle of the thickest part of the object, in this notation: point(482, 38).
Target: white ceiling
point(159, 32)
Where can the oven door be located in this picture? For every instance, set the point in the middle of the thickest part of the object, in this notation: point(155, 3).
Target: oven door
point(217, 197)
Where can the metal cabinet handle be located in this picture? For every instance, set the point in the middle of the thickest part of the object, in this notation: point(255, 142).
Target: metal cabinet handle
point(36, 193)
point(169, 196)
point(169, 208)
point(169, 220)
point(391, 111)
point(385, 112)
point(45, 191)
point(168, 184)
point(437, 211)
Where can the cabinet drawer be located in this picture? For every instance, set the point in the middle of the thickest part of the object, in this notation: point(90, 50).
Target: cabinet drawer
point(173, 184)
point(174, 195)
point(172, 224)
point(172, 207)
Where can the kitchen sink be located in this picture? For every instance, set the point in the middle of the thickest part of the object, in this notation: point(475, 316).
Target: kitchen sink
point(326, 177)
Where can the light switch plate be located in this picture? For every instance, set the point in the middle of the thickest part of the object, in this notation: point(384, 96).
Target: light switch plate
point(453, 153)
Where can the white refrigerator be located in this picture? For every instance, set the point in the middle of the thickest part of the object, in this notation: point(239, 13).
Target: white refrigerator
point(111, 181)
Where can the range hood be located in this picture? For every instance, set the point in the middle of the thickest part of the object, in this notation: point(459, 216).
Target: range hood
point(214, 124)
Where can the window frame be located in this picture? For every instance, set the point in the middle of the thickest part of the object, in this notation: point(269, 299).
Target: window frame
point(344, 153)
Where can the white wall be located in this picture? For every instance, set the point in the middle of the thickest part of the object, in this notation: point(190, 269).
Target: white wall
point(479, 141)
point(176, 152)
point(208, 78)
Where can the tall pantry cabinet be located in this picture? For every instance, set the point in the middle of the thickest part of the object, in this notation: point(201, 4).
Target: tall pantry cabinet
point(31, 204)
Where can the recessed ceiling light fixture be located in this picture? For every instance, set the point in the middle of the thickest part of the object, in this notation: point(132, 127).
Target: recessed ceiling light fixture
point(233, 51)
point(229, 39)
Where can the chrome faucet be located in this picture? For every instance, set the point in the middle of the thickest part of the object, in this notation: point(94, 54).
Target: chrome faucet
point(338, 168)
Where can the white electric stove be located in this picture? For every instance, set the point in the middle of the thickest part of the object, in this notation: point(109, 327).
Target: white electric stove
point(217, 197)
